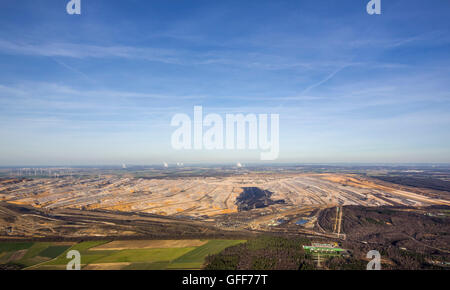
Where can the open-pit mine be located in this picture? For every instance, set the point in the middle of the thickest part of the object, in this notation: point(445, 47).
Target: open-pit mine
point(122, 214)
point(249, 200)
point(211, 196)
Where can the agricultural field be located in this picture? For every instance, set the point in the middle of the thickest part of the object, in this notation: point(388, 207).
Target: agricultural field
point(195, 258)
point(113, 255)
point(26, 254)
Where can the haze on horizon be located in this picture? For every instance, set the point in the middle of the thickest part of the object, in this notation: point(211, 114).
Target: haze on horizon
point(101, 88)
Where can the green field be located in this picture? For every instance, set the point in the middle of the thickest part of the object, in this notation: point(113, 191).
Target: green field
point(50, 256)
point(32, 256)
point(12, 247)
point(29, 254)
point(195, 258)
point(144, 255)
point(87, 256)
point(53, 251)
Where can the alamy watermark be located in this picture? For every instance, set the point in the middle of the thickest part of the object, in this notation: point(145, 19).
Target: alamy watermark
point(74, 7)
point(75, 260)
point(375, 263)
point(241, 132)
point(374, 7)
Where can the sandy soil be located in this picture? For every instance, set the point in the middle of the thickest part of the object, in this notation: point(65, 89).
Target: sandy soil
point(149, 244)
point(106, 266)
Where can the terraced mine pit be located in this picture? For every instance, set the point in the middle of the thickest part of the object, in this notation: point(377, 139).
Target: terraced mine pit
point(263, 201)
point(181, 216)
point(211, 196)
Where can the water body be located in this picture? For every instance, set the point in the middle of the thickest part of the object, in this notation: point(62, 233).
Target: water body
point(255, 197)
point(301, 222)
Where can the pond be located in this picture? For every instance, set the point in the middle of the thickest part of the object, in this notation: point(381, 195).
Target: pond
point(301, 222)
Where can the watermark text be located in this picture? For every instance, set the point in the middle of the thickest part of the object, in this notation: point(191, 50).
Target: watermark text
point(241, 132)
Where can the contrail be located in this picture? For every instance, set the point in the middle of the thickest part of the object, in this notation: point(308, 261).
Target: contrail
point(85, 76)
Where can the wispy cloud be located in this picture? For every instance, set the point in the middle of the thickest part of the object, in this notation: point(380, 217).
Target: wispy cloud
point(251, 60)
point(59, 49)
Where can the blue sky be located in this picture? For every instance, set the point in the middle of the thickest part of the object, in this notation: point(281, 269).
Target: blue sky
point(102, 87)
